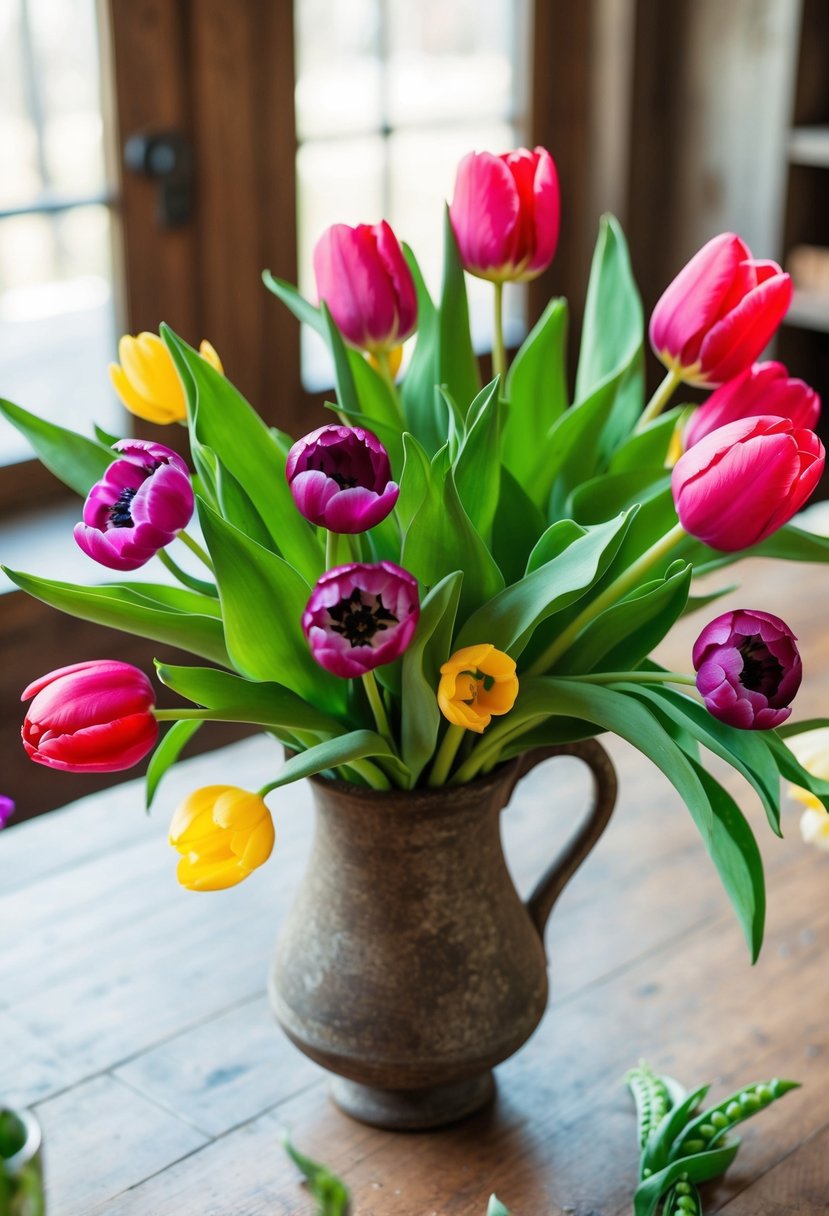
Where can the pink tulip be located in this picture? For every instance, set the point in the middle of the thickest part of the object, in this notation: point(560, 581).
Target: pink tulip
point(719, 313)
point(765, 388)
point(93, 717)
point(742, 482)
point(363, 278)
point(340, 478)
point(505, 214)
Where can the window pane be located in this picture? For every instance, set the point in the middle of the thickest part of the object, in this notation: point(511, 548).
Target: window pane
point(56, 322)
point(339, 82)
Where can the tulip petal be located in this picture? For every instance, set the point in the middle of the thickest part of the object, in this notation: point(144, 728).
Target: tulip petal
point(484, 214)
point(108, 747)
point(741, 335)
point(692, 302)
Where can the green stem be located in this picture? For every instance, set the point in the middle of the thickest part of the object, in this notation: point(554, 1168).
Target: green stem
point(635, 677)
point(375, 700)
point(187, 580)
point(659, 400)
point(187, 715)
point(488, 752)
point(447, 752)
point(195, 547)
point(384, 366)
point(331, 547)
point(499, 354)
point(611, 594)
point(367, 770)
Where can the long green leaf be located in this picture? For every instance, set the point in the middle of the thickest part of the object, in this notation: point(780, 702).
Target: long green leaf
point(457, 365)
point(120, 607)
point(75, 460)
point(424, 407)
point(166, 754)
point(303, 309)
point(263, 702)
point(357, 745)
point(516, 528)
point(478, 466)
point(429, 648)
point(536, 389)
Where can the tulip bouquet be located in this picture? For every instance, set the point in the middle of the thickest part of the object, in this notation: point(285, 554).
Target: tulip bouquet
point(450, 573)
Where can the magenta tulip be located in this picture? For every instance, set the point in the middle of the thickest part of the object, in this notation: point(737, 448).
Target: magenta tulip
point(363, 278)
point(745, 480)
point(340, 478)
point(748, 669)
point(137, 507)
point(6, 809)
point(764, 388)
point(360, 616)
point(719, 313)
point(93, 717)
point(505, 214)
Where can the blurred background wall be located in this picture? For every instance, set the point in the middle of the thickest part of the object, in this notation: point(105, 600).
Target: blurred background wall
point(159, 154)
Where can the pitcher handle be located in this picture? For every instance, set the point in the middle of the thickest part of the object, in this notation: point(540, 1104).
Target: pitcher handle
point(559, 872)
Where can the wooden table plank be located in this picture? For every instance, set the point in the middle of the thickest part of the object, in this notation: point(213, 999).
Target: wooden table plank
point(798, 1184)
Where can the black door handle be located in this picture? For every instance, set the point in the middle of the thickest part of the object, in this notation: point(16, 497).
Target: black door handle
point(167, 158)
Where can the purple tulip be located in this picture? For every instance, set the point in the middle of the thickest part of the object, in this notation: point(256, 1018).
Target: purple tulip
point(6, 809)
point(340, 478)
point(137, 507)
point(361, 616)
point(748, 669)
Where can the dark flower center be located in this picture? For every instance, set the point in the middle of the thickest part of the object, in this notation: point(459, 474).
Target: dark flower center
point(761, 670)
point(119, 513)
point(345, 483)
point(359, 619)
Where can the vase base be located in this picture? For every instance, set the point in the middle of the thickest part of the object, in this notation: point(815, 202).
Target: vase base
point(412, 1109)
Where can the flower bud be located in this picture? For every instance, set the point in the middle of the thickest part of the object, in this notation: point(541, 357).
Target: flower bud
point(223, 834)
point(742, 482)
point(6, 809)
point(147, 381)
point(505, 214)
point(93, 717)
point(719, 313)
point(340, 478)
point(764, 388)
point(748, 669)
point(137, 507)
point(475, 683)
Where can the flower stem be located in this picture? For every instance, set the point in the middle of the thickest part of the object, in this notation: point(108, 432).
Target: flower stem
point(634, 677)
point(447, 752)
point(488, 752)
point(659, 400)
point(499, 354)
point(611, 594)
point(384, 367)
point(375, 699)
point(195, 547)
point(187, 580)
point(187, 715)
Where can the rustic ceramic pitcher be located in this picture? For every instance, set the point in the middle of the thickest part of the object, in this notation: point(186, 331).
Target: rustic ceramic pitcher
point(409, 966)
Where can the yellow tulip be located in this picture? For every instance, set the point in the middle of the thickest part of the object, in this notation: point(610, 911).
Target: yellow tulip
point(146, 379)
point(812, 750)
point(223, 834)
point(477, 682)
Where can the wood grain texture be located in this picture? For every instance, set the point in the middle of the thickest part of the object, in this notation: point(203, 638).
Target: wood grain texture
point(140, 1007)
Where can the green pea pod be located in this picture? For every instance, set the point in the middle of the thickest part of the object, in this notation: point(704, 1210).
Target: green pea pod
point(683, 1200)
point(329, 1191)
point(651, 1096)
point(699, 1168)
point(713, 1125)
point(657, 1151)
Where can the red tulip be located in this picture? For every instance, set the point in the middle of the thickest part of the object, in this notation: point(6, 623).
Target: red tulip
point(765, 388)
point(719, 313)
point(745, 480)
point(505, 214)
point(363, 278)
point(93, 717)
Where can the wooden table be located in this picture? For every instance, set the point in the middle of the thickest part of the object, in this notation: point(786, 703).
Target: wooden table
point(133, 1015)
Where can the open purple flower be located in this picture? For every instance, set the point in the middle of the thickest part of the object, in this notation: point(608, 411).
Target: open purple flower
point(6, 809)
point(340, 478)
point(137, 507)
point(748, 669)
point(360, 616)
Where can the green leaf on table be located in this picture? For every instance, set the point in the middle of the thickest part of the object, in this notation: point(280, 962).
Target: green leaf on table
point(221, 419)
point(423, 405)
point(263, 599)
point(143, 609)
point(536, 389)
point(329, 1191)
point(457, 365)
point(75, 460)
point(304, 311)
point(429, 648)
point(510, 617)
point(166, 754)
point(356, 745)
point(265, 703)
point(478, 464)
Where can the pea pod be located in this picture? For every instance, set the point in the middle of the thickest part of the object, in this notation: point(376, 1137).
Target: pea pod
point(652, 1098)
point(699, 1168)
point(657, 1151)
point(710, 1128)
point(682, 1200)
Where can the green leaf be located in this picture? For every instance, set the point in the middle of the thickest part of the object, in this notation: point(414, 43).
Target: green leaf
point(167, 752)
point(429, 648)
point(263, 599)
point(613, 328)
point(424, 407)
point(236, 507)
point(799, 728)
point(495, 1207)
point(222, 420)
point(700, 1168)
point(303, 309)
point(357, 745)
point(510, 617)
point(457, 365)
point(536, 389)
point(264, 703)
point(792, 770)
point(793, 544)
point(647, 448)
point(478, 465)
point(553, 542)
point(104, 437)
point(414, 482)
point(330, 1191)
point(76, 461)
point(516, 528)
point(143, 613)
